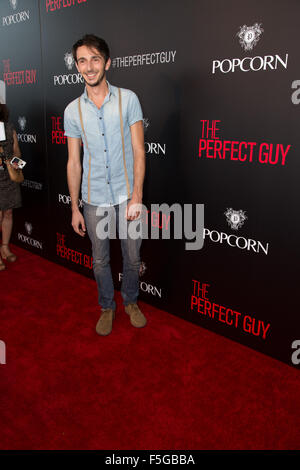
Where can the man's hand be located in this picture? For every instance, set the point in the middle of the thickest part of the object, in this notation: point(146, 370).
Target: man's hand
point(78, 222)
point(134, 208)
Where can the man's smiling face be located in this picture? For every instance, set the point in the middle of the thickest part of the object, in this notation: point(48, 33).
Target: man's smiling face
point(90, 63)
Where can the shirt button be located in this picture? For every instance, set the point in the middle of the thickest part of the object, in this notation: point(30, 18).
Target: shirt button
point(104, 150)
point(107, 182)
point(106, 166)
point(102, 134)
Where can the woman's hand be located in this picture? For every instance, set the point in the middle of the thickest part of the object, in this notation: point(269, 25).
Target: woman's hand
point(14, 165)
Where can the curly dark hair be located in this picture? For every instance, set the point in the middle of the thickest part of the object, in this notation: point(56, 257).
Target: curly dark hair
point(4, 113)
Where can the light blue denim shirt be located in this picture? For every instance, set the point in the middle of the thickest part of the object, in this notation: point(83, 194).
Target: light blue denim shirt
point(103, 133)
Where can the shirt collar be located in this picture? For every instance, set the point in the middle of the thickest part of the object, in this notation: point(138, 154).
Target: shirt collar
point(111, 91)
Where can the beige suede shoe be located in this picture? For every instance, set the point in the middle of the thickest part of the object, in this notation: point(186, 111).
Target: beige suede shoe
point(104, 325)
point(137, 318)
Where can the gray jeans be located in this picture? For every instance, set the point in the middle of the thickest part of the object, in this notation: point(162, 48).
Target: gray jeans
point(110, 219)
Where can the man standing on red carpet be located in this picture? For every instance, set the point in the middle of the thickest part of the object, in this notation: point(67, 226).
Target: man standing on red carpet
point(109, 122)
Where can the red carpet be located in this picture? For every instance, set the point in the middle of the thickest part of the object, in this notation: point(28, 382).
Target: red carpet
point(171, 385)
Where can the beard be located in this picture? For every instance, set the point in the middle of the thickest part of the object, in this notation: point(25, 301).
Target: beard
point(97, 82)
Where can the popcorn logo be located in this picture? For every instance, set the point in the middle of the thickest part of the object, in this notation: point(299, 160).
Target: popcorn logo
point(235, 218)
point(146, 123)
point(249, 36)
point(22, 122)
point(28, 228)
point(13, 4)
point(143, 269)
point(69, 60)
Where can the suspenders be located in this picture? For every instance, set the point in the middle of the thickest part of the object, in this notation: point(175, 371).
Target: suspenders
point(123, 142)
point(123, 145)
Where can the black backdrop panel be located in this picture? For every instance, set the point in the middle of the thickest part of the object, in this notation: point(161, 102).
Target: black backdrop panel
point(218, 86)
point(21, 72)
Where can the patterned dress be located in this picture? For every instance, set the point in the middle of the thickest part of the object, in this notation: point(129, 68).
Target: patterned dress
point(10, 193)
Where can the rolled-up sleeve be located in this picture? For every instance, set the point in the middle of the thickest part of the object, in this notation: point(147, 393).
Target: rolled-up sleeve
point(134, 109)
point(70, 125)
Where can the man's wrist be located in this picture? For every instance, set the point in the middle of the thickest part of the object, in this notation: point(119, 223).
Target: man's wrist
point(75, 208)
point(137, 195)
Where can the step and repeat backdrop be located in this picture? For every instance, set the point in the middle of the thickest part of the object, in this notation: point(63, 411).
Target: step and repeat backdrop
point(219, 85)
